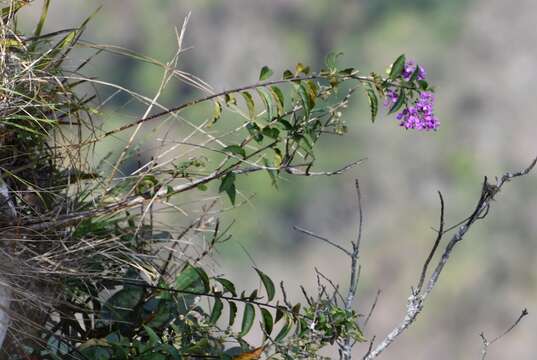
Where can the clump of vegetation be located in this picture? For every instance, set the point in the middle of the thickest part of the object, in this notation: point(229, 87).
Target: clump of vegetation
point(91, 270)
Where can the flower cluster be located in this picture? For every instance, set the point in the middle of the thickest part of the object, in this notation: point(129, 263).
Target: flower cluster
point(419, 115)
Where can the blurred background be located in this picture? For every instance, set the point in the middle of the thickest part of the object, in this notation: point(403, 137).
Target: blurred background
point(480, 54)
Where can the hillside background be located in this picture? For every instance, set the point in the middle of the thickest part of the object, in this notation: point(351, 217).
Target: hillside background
point(480, 54)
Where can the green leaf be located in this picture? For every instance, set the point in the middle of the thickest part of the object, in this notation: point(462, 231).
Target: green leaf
point(267, 283)
point(346, 72)
point(400, 101)
point(278, 157)
point(228, 185)
point(254, 131)
point(217, 311)
point(268, 322)
point(187, 279)
point(415, 74)
point(284, 330)
point(277, 94)
point(171, 350)
point(22, 127)
point(44, 13)
point(252, 296)
point(288, 74)
point(227, 285)
point(331, 60)
point(373, 102)
point(302, 69)
point(160, 311)
point(306, 143)
point(232, 312)
point(152, 356)
point(305, 98)
point(296, 309)
point(227, 182)
point(230, 100)
point(66, 44)
point(272, 173)
point(272, 133)
point(302, 327)
point(94, 352)
point(217, 113)
point(398, 67)
point(169, 192)
point(250, 104)
point(154, 339)
point(247, 319)
point(120, 306)
point(269, 103)
point(285, 125)
point(147, 186)
point(235, 149)
point(12, 9)
point(311, 87)
point(424, 85)
point(279, 313)
point(204, 278)
point(265, 73)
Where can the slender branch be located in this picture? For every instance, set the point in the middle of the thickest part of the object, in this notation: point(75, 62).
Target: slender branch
point(487, 343)
point(214, 96)
point(164, 193)
point(337, 293)
point(355, 270)
point(370, 347)
point(373, 306)
point(417, 299)
point(435, 246)
point(307, 232)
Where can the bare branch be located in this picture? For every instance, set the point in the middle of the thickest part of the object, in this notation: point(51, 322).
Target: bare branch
point(337, 293)
point(373, 306)
point(307, 232)
point(355, 270)
point(417, 299)
point(487, 343)
point(370, 347)
point(360, 218)
point(164, 193)
point(435, 246)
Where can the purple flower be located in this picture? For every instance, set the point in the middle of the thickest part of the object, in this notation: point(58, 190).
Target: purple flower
point(410, 68)
point(419, 115)
point(391, 98)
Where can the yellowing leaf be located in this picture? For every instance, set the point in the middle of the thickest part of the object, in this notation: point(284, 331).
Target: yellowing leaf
point(94, 342)
point(250, 355)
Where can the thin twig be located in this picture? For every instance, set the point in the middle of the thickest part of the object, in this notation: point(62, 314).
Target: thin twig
point(214, 96)
point(370, 347)
point(319, 237)
point(487, 343)
point(416, 300)
point(334, 286)
point(373, 306)
point(435, 246)
point(346, 348)
point(163, 193)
